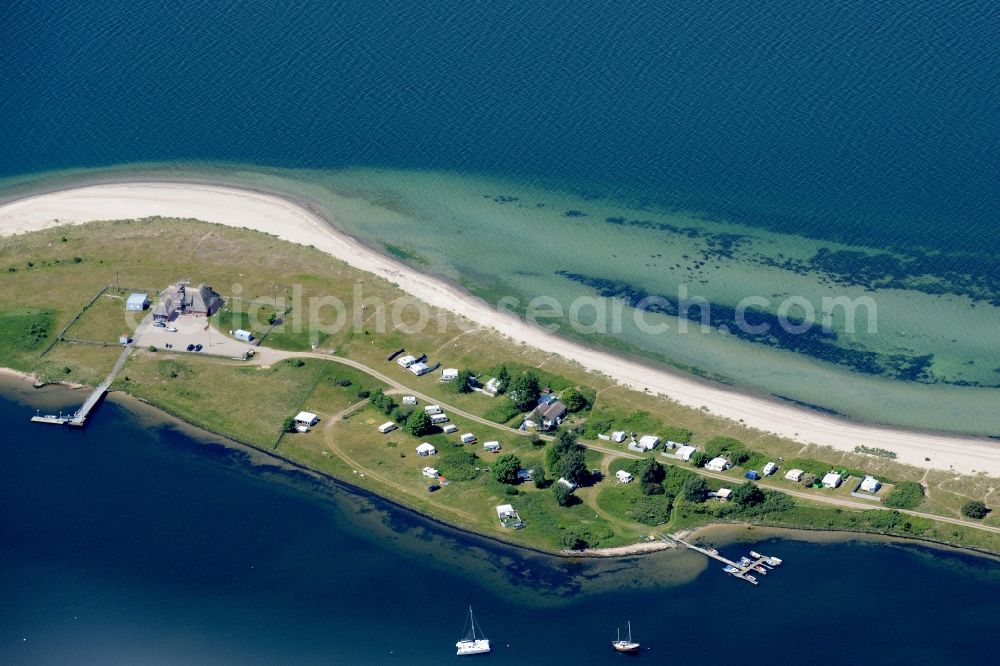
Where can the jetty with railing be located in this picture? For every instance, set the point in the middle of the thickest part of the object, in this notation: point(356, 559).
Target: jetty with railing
point(79, 417)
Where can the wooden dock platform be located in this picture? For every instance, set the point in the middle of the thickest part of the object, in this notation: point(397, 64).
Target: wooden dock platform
point(79, 417)
point(744, 569)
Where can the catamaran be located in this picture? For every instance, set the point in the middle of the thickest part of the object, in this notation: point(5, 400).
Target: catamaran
point(470, 644)
point(626, 645)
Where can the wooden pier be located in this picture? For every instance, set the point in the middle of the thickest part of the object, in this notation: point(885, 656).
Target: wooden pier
point(79, 417)
point(744, 569)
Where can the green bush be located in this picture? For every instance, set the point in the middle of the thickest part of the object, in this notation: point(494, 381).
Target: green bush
point(975, 509)
point(652, 509)
point(906, 495)
point(501, 411)
point(676, 434)
point(458, 464)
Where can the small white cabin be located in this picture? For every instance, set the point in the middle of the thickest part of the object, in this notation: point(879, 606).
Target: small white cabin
point(568, 484)
point(438, 419)
point(870, 484)
point(769, 469)
point(685, 452)
point(420, 369)
point(449, 374)
point(832, 480)
point(649, 442)
point(491, 447)
point(426, 449)
point(305, 420)
point(406, 361)
point(794, 475)
point(468, 438)
point(719, 464)
point(388, 426)
point(623, 476)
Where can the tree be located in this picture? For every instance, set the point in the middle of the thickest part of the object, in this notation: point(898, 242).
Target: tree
point(524, 390)
point(733, 449)
point(538, 477)
point(575, 537)
point(694, 489)
point(564, 496)
point(699, 458)
point(464, 382)
point(574, 400)
point(975, 509)
point(906, 495)
point(647, 470)
point(382, 402)
point(288, 425)
point(505, 469)
point(572, 466)
point(418, 423)
point(747, 495)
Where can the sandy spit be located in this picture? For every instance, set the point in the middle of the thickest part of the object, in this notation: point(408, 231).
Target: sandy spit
point(293, 222)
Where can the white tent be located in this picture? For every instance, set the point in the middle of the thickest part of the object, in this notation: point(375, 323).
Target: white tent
point(870, 484)
point(685, 452)
point(832, 480)
point(426, 449)
point(719, 464)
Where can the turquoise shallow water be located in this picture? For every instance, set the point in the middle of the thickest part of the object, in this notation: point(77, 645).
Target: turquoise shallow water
point(870, 129)
point(131, 542)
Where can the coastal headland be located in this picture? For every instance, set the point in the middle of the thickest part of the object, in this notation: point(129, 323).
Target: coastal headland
point(297, 223)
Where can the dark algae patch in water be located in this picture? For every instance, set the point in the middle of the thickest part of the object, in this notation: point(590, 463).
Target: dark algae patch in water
point(813, 341)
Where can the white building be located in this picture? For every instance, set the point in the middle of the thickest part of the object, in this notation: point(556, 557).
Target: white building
point(426, 449)
point(769, 469)
point(438, 419)
point(468, 438)
point(491, 447)
point(406, 361)
point(649, 442)
point(618, 436)
point(449, 374)
point(623, 476)
point(409, 400)
point(568, 484)
point(432, 409)
point(305, 420)
point(420, 369)
point(685, 452)
point(430, 472)
point(719, 464)
point(794, 475)
point(832, 480)
point(136, 302)
point(870, 484)
point(506, 511)
point(388, 426)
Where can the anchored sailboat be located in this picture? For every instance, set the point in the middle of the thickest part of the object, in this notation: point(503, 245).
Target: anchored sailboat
point(626, 645)
point(470, 644)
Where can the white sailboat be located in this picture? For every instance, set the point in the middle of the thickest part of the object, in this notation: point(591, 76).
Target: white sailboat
point(470, 644)
point(627, 645)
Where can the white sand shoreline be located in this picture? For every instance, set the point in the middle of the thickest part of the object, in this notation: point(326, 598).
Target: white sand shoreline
point(292, 222)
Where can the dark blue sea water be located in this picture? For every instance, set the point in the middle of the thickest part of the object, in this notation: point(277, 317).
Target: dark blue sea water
point(875, 121)
point(131, 542)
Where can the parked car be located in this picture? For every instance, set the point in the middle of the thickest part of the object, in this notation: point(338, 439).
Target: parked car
point(190, 347)
point(159, 324)
point(433, 487)
point(198, 347)
point(172, 329)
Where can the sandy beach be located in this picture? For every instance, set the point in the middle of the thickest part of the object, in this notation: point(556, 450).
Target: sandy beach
point(293, 222)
